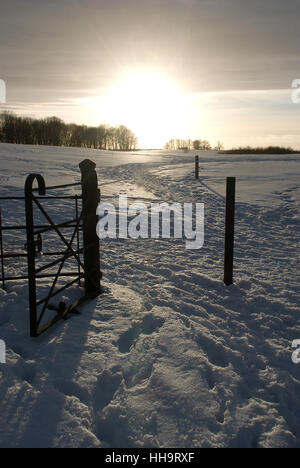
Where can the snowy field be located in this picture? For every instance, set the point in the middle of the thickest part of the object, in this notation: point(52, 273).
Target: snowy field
point(167, 356)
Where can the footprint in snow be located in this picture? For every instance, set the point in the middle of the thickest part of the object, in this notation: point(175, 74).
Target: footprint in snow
point(148, 326)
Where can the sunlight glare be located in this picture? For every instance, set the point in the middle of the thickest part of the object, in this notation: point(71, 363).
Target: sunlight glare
point(150, 105)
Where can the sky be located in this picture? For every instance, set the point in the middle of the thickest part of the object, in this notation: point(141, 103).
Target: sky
point(209, 69)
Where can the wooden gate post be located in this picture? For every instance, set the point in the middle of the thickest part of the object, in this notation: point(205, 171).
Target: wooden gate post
point(91, 243)
point(229, 230)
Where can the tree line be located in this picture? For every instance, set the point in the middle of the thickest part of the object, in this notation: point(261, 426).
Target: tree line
point(53, 131)
point(178, 144)
point(262, 150)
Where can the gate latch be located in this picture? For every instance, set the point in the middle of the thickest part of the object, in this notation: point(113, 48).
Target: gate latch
point(38, 246)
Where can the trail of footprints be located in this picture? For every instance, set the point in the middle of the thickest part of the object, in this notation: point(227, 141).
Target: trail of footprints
point(148, 326)
point(111, 426)
point(110, 380)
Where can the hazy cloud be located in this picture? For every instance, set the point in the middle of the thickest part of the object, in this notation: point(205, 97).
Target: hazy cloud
point(60, 50)
point(204, 45)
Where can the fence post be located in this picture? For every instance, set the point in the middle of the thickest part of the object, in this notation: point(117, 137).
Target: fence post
point(197, 167)
point(91, 243)
point(31, 246)
point(229, 230)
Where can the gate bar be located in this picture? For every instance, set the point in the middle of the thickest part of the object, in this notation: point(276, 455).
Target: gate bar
point(54, 187)
point(2, 254)
point(23, 228)
point(45, 254)
point(42, 301)
point(31, 246)
point(66, 256)
point(53, 197)
point(50, 228)
point(78, 238)
point(45, 276)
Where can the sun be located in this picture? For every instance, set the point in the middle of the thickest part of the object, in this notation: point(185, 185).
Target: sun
point(150, 105)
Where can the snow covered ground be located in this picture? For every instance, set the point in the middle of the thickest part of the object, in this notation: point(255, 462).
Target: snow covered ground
point(167, 356)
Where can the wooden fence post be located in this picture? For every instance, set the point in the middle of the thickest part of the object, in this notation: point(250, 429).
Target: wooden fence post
point(229, 230)
point(197, 167)
point(91, 243)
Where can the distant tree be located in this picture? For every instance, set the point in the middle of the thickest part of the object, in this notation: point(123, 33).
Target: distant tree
point(196, 144)
point(219, 146)
point(206, 146)
point(8, 127)
point(188, 145)
point(172, 144)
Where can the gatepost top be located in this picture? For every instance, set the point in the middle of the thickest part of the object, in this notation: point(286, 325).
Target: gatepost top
point(87, 165)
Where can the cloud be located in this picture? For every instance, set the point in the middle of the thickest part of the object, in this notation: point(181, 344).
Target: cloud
point(58, 51)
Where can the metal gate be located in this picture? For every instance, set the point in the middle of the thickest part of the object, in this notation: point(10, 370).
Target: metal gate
point(82, 246)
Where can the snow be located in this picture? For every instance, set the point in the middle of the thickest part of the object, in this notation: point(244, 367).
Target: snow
point(167, 356)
